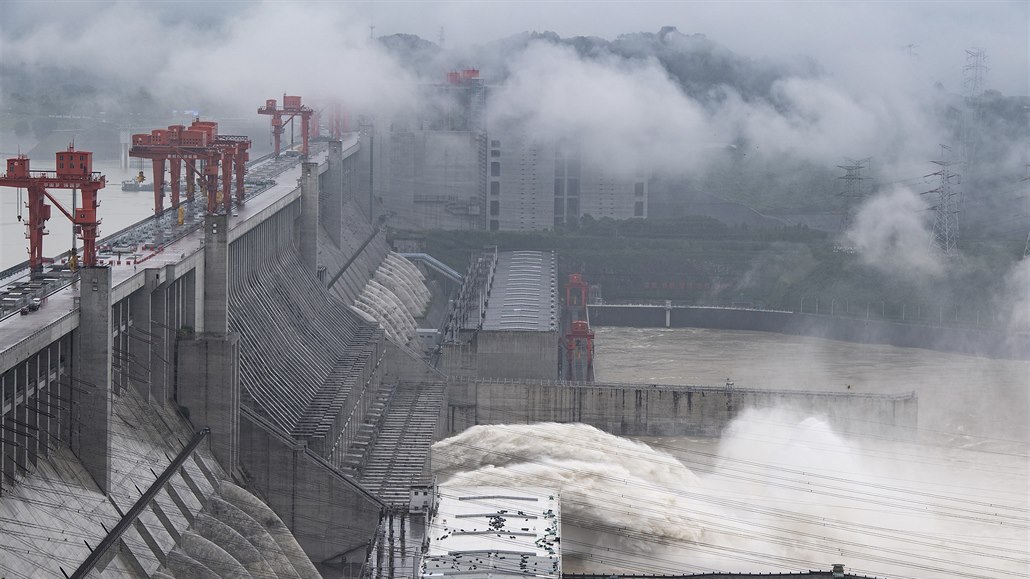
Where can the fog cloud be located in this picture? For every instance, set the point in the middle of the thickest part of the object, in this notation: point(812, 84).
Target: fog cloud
point(228, 56)
point(627, 112)
point(663, 103)
point(1013, 301)
point(891, 234)
point(633, 115)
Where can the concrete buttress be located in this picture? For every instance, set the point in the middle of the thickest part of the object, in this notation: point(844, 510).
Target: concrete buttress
point(208, 368)
point(333, 207)
point(308, 226)
point(91, 376)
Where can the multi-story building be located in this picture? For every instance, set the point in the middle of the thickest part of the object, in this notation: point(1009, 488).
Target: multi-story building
point(447, 169)
point(430, 168)
point(536, 184)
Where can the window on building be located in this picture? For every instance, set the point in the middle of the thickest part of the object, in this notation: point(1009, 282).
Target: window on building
point(638, 189)
point(638, 209)
point(495, 153)
point(572, 207)
point(572, 189)
point(495, 187)
point(559, 207)
point(494, 225)
point(495, 144)
point(559, 187)
point(495, 169)
point(495, 208)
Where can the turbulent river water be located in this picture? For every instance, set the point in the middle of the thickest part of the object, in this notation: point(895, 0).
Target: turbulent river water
point(781, 491)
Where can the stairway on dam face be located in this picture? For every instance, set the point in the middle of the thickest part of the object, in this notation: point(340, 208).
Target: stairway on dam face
point(357, 453)
point(397, 457)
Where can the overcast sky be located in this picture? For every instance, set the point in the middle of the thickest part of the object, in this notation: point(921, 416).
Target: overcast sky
point(838, 34)
point(875, 94)
point(841, 35)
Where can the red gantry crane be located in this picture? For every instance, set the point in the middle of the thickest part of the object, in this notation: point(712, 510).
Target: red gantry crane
point(292, 107)
point(218, 155)
point(74, 170)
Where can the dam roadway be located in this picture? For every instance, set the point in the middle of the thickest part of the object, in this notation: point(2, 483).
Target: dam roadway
point(23, 336)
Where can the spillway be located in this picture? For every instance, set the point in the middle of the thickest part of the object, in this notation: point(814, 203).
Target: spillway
point(395, 295)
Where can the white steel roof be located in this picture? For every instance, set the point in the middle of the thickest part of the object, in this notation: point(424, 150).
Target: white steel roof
point(481, 532)
point(524, 292)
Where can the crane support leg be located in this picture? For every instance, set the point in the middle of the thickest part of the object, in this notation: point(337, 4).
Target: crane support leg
point(175, 169)
point(39, 212)
point(159, 178)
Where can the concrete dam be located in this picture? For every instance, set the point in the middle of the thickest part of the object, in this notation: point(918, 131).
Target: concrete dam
point(253, 398)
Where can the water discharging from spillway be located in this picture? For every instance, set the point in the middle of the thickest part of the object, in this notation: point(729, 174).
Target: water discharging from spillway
point(779, 492)
point(394, 296)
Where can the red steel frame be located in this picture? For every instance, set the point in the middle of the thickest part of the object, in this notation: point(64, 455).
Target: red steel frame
point(219, 154)
point(292, 107)
point(74, 170)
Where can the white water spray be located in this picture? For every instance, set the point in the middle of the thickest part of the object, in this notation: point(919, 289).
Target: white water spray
point(782, 492)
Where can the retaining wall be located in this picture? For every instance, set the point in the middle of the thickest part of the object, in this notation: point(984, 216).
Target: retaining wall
point(662, 410)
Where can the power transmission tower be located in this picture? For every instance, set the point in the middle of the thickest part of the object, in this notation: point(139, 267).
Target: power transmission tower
point(853, 191)
point(974, 73)
point(945, 216)
point(974, 79)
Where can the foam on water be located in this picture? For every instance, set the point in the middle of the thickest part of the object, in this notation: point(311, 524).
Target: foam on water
point(779, 492)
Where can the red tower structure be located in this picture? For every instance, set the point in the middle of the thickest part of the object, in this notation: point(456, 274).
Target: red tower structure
point(292, 107)
point(576, 291)
point(579, 336)
point(218, 156)
point(73, 170)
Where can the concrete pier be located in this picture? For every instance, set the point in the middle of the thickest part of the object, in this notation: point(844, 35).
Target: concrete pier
point(308, 226)
point(216, 275)
point(91, 385)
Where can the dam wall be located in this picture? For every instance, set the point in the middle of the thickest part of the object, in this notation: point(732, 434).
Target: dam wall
point(358, 240)
point(230, 328)
point(962, 340)
point(331, 516)
point(663, 410)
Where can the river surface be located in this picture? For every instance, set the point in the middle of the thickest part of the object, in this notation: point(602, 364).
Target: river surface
point(958, 395)
point(779, 491)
